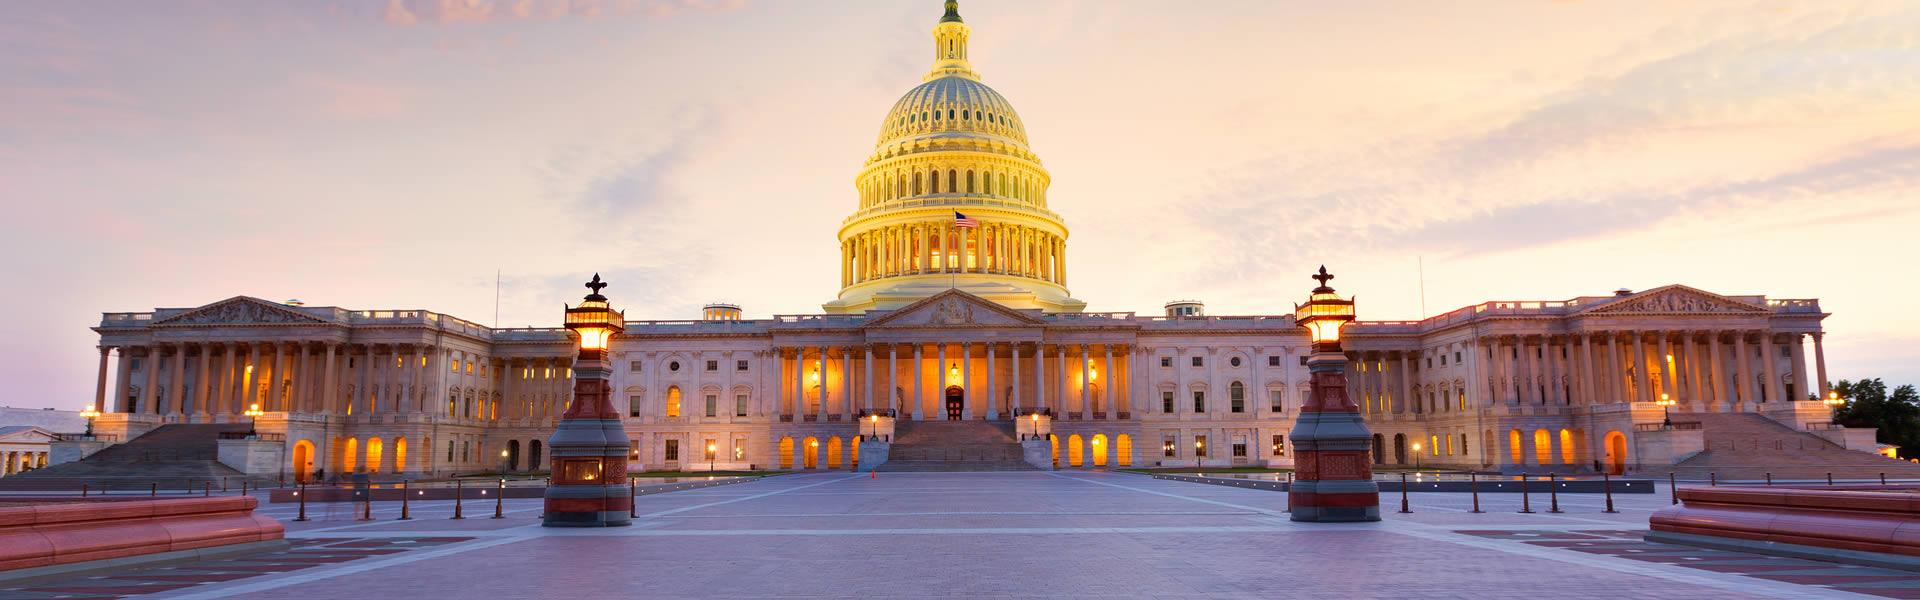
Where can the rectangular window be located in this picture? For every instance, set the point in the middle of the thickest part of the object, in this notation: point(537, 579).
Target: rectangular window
point(1199, 401)
point(673, 450)
point(740, 365)
point(1279, 445)
point(1169, 447)
point(1165, 361)
point(673, 403)
point(633, 366)
point(1239, 447)
point(1273, 361)
point(1237, 399)
point(469, 367)
point(1430, 362)
point(633, 406)
point(713, 365)
point(713, 405)
point(1463, 444)
point(1200, 446)
point(1198, 362)
point(740, 405)
point(1279, 400)
point(1166, 402)
point(712, 450)
point(1456, 356)
point(1303, 361)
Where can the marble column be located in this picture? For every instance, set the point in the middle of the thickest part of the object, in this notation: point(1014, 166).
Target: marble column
point(200, 385)
point(1107, 404)
point(1643, 371)
point(893, 376)
point(1040, 375)
point(329, 377)
point(940, 375)
point(1820, 364)
point(1742, 370)
point(1015, 401)
point(966, 376)
point(1770, 367)
point(1086, 391)
point(122, 382)
point(1696, 393)
point(1406, 386)
point(176, 380)
point(1800, 375)
point(1066, 407)
point(100, 381)
point(918, 384)
point(846, 382)
point(820, 366)
point(993, 386)
point(799, 382)
point(148, 395)
point(867, 362)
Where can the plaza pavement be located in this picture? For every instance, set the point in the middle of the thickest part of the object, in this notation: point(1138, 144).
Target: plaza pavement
point(1004, 535)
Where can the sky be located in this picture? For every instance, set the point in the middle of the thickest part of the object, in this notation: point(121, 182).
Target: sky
point(398, 154)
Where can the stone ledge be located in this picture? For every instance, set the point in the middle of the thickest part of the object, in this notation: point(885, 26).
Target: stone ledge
point(68, 530)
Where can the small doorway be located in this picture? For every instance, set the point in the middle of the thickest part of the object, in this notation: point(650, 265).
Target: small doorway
point(956, 403)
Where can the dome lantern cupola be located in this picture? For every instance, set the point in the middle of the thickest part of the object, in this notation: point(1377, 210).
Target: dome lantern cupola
point(950, 46)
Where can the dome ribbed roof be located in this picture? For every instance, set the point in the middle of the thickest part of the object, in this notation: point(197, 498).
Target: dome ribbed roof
point(953, 103)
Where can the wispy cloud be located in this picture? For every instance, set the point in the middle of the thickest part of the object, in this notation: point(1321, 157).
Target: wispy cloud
point(418, 12)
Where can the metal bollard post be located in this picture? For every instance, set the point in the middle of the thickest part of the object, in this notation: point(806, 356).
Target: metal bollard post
point(1883, 479)
point(406, 489)
point(83, 489)
point(156, 489)
point(223, 485)
point(1829, 478)
point(1403, 494)
point(1713, 479)
point(243, 487)
point(633, 492)
point(1673, 488)
point(500, 501)
point(457, 489)
point(367, 508)
point(1526, 499)
point(302, 493)
point(1606, 485)
point(1553, 492)
point(208, 491)
point(1473, 485)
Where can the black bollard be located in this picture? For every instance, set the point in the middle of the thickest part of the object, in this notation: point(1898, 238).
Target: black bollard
point(1473, 485)
point(83, 487)
point(405, 491)
point(302, 493)
point(456, 499)
point(1553, 492)
point(1769, 478)
point(500, 501)
point(1829, 479)
point(243, 487)
point(1713, 479)
point(1883, 479)
point(1673, 488)
point(208, 491)
point(1403, 494)
point(633, 492)
point(1526, 499)
point(156, 489)
point(223, 485)
point(1606, 485)
point(366, 513)
point(1289, 492)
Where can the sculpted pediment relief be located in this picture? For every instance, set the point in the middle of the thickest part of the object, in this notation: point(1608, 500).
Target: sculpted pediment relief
point(1677, 299)
point(240, 310)
point(953, 309)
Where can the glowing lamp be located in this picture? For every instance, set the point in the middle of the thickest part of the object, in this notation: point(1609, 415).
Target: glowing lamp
point(1664, 400)
point(1324, 314)
point(89, 413)
point(1093, 373)
point(594, 321)
point(1833, 400)
point(253, 410)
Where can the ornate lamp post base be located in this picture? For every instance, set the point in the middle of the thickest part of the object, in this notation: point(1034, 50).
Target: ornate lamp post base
point(1334, 478)
point(589, 447)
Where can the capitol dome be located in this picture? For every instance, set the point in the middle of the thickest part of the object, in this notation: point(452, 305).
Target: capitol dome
point(952, 104)
point(953, 198)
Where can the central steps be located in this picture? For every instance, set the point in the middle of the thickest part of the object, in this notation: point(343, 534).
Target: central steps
point(954, 446)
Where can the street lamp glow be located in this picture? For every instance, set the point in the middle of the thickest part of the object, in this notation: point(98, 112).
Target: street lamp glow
point(1833, 399)
point(1324, 314)
point(1664, 400)
point(594, 321)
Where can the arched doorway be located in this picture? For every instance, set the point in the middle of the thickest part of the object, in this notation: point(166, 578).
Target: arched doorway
point(533, 456)
point(833, 452)
point(513, 455)
point(853, 452)
point(400, 455)
point(1123, 450)
point(1075, 448)
point(303, 461)
point(810, 456)
point(786, 453)
point(1100, 450)
point(1517, 449)
point(374, 449)
point(1054, 442)
point(350, 457)
point(956, 403)
point(1399, 448)
point(1566, 447)
point(1616, 453)
point(1542, 447)
point(1379, 449)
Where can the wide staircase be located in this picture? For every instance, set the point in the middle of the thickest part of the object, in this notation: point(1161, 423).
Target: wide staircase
point(176, 457)
point(1751, 446)
point(954, 446)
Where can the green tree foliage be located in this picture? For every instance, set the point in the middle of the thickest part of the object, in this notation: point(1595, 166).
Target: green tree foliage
point(1897, 415)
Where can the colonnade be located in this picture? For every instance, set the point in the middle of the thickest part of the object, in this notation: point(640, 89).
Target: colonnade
point(938, 247)
point(20, 461)
point(993, 380)
point(1698, 369)
point(203, 380)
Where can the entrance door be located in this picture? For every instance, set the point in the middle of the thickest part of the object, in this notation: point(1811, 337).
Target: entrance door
point(956, 401)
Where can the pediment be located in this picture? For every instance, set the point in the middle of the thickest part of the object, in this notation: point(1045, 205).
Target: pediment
point(1676, 299)
point(241, 310)
point(954, 308)
point(25, 434)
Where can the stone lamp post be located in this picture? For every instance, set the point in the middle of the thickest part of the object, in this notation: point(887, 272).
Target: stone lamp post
point(1334, 479)
point(589, 447)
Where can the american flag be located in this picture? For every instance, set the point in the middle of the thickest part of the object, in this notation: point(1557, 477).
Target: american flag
point(960, 220)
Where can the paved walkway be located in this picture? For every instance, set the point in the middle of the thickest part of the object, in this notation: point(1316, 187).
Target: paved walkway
point(993, 535)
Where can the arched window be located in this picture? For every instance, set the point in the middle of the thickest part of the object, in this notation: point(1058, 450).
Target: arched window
point(935, 182)
point(916, 184)
point(1237, 396)
point(986, 181)
point(969, 181)
point(949, 114)
point(673, 401)
point(966, 115)
point(953, 181)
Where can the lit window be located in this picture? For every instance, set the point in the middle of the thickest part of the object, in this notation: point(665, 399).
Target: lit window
point(1279, 445)
point(673, 401)
point(1239, 447)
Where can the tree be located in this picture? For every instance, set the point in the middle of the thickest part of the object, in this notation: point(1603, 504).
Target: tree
point(1897, 415)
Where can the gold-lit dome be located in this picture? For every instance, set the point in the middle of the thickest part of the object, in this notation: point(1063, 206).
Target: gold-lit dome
point(953, 198)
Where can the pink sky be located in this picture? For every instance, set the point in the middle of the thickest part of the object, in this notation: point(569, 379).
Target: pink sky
point(395, 154)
